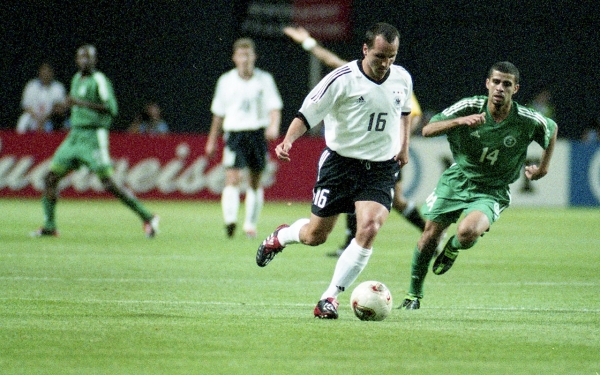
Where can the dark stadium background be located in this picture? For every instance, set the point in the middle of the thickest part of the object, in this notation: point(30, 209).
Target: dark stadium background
point(174, 51)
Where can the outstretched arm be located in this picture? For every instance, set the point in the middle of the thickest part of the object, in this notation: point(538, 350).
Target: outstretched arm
point(533, 172)
point(436, 128)
point(296, 130)
point(301, 36)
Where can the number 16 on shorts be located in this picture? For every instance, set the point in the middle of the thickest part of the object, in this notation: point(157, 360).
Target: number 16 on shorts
point(320, 197)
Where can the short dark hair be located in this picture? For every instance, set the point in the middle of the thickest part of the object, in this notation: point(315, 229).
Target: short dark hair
point(244, 43)
point(387, 31)
point(505, 67)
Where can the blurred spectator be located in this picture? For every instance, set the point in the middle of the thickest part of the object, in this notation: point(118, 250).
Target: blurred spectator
point(542, 103)
point(43, 103)
point(149, 121)
point(592, 132)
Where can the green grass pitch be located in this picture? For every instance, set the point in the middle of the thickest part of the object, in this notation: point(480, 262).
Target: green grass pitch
point(103, 299)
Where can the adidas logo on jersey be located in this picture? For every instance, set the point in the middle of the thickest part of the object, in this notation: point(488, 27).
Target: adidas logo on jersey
point(475, 134)
point(360, 100)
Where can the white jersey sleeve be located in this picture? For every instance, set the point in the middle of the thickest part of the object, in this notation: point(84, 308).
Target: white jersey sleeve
point(245, 104)
point(361, 117)
point(40, 98)
point(30, 94)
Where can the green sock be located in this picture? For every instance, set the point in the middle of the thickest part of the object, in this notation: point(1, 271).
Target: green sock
point(137, 207)
point(127, 198)
point(49, 209)
point(453, 241)
point(419, 267)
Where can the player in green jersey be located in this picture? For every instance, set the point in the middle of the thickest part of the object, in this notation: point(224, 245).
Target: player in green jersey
point(93, 107)
point(488, 137)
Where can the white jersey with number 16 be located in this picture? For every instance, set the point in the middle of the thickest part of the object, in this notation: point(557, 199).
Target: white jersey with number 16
point(361, 117)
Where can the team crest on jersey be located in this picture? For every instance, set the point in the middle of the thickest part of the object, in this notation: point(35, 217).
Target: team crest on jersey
point(510, 141)
point(399, 98)
point(397, 101)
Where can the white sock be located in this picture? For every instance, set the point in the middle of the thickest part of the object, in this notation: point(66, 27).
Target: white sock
point(230, 203)
point(349, 265)
point(291, 234)
point(253, 203)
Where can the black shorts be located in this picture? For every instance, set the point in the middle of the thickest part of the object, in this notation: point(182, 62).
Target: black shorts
point(342, 181)
point(246, 149)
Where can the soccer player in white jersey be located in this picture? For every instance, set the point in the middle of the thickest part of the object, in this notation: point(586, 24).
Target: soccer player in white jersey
point(407, 208)
point(247, 107)
point(364, 105)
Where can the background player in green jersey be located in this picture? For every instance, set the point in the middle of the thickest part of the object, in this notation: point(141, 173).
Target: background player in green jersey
point(488, 137)
point(93, 107)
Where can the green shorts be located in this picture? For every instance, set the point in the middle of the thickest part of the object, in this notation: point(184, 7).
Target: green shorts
point(89, 147)
point(455, 194)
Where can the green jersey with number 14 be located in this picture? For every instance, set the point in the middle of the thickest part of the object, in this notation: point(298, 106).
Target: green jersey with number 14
point(493, 153)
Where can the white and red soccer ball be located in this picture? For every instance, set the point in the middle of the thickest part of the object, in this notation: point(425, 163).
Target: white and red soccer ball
point(371, 300)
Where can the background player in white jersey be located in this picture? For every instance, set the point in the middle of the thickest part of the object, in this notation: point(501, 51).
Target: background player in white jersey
point(364, 106)
point(405, 207)
point(489, 137)
point(247, 107)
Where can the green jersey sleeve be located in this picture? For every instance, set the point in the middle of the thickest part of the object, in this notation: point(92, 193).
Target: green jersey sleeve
point(106, 93)
point(96, 88)
point(493, 154)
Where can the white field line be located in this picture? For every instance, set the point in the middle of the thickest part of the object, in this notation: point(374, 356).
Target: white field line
point(196, 280)
point(285, 305)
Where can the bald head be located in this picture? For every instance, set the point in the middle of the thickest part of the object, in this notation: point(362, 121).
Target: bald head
point(86, 58)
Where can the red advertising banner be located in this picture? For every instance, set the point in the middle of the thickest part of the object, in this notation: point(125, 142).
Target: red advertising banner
point(158, 167)
point(326, 20)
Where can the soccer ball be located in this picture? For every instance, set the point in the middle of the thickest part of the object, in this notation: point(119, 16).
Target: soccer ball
point(371, 300)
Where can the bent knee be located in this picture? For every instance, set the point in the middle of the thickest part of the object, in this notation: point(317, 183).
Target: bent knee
point(431, 236)
point(370, 229)
point(314, 237)
point(51, 185)
point(107, 183)
point(468, 235)
point(51, 179)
